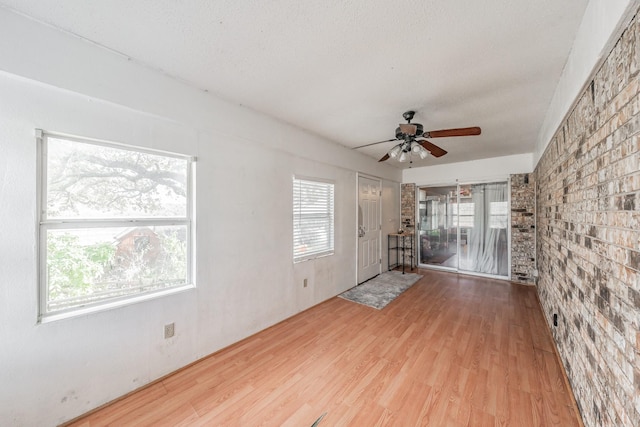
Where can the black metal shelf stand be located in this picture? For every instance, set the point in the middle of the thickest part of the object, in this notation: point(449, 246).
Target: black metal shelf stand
point(400, 247)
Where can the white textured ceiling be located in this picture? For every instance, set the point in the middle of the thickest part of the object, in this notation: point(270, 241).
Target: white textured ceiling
point(348, 69)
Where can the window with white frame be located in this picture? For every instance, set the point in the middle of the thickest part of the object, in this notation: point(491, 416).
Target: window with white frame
point(313, 218)
point(115, 224)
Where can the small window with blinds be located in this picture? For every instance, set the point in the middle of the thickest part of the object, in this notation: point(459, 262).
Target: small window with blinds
point(313, 219)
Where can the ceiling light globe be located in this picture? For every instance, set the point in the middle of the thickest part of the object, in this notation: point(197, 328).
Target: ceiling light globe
point(395, 151)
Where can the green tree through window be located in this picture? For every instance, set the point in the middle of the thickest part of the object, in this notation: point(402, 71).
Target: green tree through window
point(116, 223)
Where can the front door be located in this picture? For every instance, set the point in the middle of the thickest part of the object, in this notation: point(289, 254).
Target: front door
point(368, 228)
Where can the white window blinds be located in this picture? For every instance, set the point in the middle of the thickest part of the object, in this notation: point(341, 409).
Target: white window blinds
point(313, 219)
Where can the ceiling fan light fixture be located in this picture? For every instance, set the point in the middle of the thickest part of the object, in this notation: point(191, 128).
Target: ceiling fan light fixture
point(407, 133)
point(395, 151)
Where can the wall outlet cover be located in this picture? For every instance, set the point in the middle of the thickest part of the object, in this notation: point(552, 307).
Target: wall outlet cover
point(169, 330)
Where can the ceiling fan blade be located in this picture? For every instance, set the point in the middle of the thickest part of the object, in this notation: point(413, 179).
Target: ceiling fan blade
point(373, 143)
point(408, 129)
point(432, 148)
point(385, 157)
point(453, 132)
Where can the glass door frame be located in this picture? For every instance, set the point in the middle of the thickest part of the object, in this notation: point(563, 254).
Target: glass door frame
point(458, 184)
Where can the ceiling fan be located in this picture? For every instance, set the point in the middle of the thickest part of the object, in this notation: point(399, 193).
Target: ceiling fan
point(407, 134)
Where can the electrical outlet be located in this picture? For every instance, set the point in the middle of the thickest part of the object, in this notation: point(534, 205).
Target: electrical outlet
point(169, 330)
point(304, 283)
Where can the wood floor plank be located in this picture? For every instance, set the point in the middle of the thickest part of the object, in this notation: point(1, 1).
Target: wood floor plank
point(140, 399)
point(452, 350)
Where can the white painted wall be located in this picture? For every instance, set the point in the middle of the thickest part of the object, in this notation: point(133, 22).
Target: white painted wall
point(476, 171)
point(601, 26)
point(246, 281)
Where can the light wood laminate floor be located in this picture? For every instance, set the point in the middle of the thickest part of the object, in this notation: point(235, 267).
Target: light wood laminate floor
point(452, 350)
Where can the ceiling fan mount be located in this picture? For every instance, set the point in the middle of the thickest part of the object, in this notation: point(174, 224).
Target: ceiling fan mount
point(408, 115)
point(408, 134)
point(408, 130)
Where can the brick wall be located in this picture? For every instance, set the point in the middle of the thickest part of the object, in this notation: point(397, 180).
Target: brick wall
point(408, 204)
point(588, 239)
point(523, 228)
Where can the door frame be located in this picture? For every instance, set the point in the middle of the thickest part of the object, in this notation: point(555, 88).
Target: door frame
point(357, 222)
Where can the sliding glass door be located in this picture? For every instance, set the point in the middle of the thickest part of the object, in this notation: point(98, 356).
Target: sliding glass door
point(465, 228)
point(437, 229)
point(487, 248)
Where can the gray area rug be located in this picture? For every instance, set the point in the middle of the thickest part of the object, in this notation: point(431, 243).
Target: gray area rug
point(382, 289)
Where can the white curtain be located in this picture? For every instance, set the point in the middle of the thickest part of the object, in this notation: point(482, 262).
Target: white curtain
point(488, 238)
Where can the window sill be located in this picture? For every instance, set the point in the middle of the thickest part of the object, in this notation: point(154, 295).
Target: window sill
point(322, 255)
point(81, 311)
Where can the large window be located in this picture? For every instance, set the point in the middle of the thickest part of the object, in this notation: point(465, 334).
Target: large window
point(115, 224)
point(312, 219)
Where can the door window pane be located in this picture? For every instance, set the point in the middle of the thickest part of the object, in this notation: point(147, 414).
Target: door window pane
point(437, 236)
point(488, 246)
